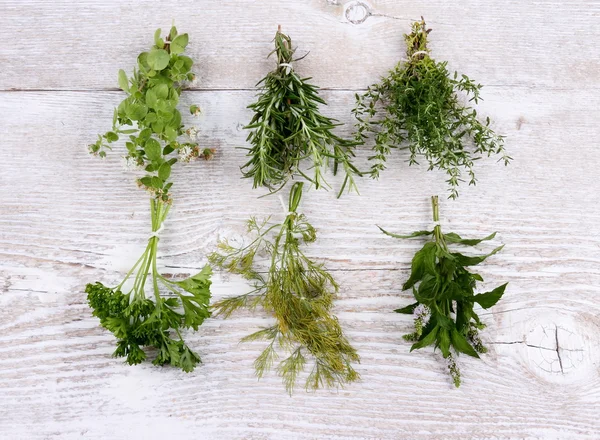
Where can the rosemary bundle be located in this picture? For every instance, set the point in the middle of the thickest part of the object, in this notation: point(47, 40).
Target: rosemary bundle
point(417, 107)
point(444, 289)
point(298, 292)
point(135, 311)
point(287, 128)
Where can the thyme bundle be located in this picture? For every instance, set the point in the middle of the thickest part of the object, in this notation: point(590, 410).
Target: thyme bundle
point(417, 107)
point(298, 292)
point(149, 119)
point(444, 289)
point(287, 128)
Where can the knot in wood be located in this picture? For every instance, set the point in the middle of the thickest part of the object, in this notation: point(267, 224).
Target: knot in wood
point(357, 12)
point(562, 349)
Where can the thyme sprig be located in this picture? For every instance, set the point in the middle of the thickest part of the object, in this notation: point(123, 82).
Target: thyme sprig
point(135, 311)
point(287, 127)
point(298, 292)
point(417, 107)
point(445, 292)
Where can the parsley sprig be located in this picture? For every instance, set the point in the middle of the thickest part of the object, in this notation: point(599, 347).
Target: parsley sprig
point(444, 288)
point(417, 107)
point(135, 311)
point(298, 292)
point(287, 127)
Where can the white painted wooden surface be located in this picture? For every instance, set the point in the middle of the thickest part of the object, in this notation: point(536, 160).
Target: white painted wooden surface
point(67, 219)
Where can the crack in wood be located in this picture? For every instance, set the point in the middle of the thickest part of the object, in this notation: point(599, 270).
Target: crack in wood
point(558, 349)
point(536, 346)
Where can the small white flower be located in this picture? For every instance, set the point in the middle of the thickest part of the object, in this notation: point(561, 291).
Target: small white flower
point(185, 154)
point(130, 163)
point(192, 133)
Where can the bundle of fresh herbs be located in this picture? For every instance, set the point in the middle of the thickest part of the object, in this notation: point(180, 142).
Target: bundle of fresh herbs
point(298, 292)
point(445, 292)
point(136, 311)
point(287, 127)
point(417, 107)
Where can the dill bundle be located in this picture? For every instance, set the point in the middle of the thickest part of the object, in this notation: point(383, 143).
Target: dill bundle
point(299, 294)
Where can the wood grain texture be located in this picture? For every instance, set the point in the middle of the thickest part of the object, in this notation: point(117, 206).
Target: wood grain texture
point(67, 219)
point(62, 45)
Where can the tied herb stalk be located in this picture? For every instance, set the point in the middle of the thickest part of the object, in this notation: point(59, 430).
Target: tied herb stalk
point(417, 107)
point(135, 311)
point(298, 292)
point(287, 128)
point(444, 289)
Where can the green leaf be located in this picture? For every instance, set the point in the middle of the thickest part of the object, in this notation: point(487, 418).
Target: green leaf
point(451, 237)
point(161, 90)
point(157, 40)
point(188, 360)
point(425, 340)
point(464, 311)
point(156, 182)
point(170, 133)
point(137, 111)
point(151, 99)
point(194, 109)
point(461, 344)
point(153, 149)
point(150, 118)
point(408, 310)
point(443, 342)
point(164, 171)
point(187, 63)
point(414, 234)
point(111, 136)
point(146, 181)
point(179, 43)
point(444, 322)
point(464, 260)
point(489, 299)
point(423, 259)
point(123, 81)
point(428, 289)
point(204, 274)
point(158, 59)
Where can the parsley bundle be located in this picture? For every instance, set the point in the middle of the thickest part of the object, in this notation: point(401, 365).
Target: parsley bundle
point(417, 107)
point(287, 128)
point(150, 120)
point(444, 290)
point(298, 292)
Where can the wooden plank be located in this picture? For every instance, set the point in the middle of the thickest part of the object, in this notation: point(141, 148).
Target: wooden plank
point(58, 380)
point(67, 219)
point(81, 45)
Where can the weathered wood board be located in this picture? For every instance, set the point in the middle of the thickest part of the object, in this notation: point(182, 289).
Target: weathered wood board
point(67, 219)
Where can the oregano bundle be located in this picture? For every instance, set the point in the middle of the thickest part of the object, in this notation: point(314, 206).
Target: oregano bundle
point(136, 311)
point(444, 289)
point(418, 107)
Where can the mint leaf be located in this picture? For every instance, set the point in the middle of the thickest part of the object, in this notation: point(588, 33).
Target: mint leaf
point(489, 299)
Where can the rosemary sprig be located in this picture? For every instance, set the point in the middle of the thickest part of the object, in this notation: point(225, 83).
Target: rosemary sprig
point(287, 128)
point(417, 107)
point(153, 124)
point(298, 292)
point(444, 289)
